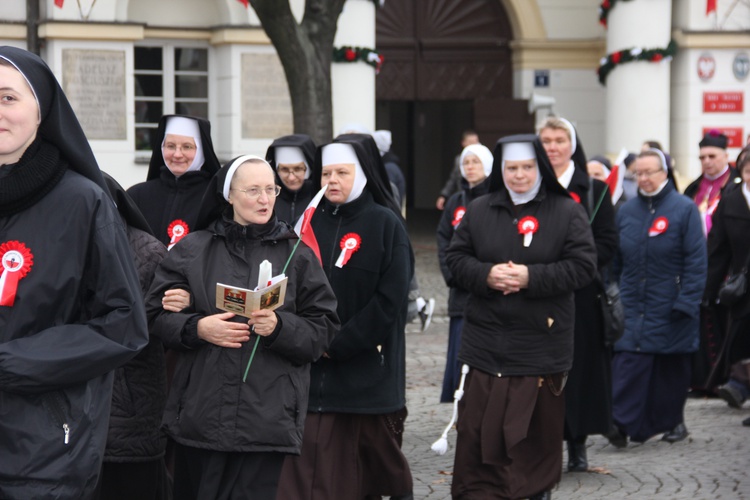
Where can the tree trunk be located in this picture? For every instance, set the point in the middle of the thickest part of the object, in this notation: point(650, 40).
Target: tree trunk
point(305, 52)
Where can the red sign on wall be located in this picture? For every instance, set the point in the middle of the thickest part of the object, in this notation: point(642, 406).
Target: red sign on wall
point(723, 102)
point(734, 134)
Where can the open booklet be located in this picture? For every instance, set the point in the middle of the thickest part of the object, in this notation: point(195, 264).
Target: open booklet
point(243, 301)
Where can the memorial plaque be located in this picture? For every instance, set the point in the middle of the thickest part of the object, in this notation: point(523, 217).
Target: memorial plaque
point(266, 105)
point(94, 81)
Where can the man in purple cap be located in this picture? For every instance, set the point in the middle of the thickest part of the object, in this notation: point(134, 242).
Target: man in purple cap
point(706, 189)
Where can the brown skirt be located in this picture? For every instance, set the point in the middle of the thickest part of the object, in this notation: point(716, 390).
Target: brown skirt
point(510, 433)
point(347, 456)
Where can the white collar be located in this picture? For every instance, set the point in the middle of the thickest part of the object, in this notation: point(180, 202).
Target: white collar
point(567, 176)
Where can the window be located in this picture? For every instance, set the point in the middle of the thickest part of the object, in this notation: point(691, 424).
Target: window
point(168, 80)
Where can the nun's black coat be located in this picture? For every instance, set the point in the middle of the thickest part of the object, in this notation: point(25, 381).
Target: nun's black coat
point(164, 198)
point(140, 389)
point(291, 204)
point(529, 332)
point(78, 313)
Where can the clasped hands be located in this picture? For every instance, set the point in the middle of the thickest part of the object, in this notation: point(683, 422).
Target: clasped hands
point(217, 328)
point(508, 277)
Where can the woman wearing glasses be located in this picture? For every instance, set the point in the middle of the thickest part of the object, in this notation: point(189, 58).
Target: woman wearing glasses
point(231, 435)
point(293, 157)
point(661, 266)
point(182, 163)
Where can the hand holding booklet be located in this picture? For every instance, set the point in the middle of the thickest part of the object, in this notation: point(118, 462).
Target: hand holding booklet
point(243, 301)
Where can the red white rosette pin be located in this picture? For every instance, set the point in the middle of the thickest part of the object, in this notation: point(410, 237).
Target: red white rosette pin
point(575, 196)
point(16, 263)
point(527, 227)
point(659, 226)
point(177, 230)
point(458, 214)
point(350, 243)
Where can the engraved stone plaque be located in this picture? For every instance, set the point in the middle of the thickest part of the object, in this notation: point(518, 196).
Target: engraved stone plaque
point(266, 106)
point(94, 81)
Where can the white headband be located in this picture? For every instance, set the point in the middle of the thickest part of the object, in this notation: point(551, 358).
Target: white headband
point(519, 151)
point(572, 132)
point(662, 158)
point(605, 170)
point(233, 168)
point(341, 153)
point(481, 152)
point(290, 155)
point(179, 125)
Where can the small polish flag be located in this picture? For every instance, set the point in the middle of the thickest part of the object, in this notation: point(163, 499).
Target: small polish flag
point(710, 6)
point(303, 228)
point(616, 176)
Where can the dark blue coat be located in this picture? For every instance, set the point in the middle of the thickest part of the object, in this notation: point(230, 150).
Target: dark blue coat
point(662, 276)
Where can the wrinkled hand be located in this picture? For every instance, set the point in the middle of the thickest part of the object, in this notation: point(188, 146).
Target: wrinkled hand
point(175, 300)
point(263, 322)
point(508, 278)
point(217, 330)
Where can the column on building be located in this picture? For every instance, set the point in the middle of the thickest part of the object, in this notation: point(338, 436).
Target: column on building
point(638, 92)
point(353, 84)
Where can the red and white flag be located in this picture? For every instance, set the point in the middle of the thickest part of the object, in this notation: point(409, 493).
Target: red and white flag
point(59, 3)
point(303, 228)
point(246, 3)
point(616, 176)
point(710, 6)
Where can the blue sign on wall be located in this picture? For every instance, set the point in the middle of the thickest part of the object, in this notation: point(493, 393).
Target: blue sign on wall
point(541, 78)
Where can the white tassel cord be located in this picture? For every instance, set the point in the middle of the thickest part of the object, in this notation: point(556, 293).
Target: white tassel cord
point(441, 445)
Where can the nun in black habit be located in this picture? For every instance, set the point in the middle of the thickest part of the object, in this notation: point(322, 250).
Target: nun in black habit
point(588, 397)
point(352, 440)
point(517, 337)
point(71, 309)
point(293, 158)
point(182, 162)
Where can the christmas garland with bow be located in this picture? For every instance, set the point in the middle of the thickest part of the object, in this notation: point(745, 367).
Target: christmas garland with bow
point(604, 9)
point(608, 63)
point(354, 54)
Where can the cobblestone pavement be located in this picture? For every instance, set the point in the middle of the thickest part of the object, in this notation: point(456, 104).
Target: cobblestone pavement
point(713, 463)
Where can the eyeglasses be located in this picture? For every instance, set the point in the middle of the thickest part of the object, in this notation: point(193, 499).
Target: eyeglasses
point(184, 148)
point(295, 171)
point(254, 193)
point(647, 173)
point(706, 157)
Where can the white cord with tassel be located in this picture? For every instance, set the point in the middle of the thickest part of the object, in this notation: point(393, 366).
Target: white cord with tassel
point(441, 445)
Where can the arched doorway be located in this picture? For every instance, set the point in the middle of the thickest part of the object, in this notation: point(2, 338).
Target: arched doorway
point(447, 68)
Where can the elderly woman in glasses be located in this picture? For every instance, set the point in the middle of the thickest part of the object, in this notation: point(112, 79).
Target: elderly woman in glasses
point(293, 157)
point(232, 436)
point(661, 265)
point(181, 166)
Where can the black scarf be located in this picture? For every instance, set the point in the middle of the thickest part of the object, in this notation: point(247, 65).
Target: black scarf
point(24, 183)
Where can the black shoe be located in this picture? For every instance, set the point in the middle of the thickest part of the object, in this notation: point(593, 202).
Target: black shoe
point(545, 495)
point(617, 437)
point(746, 422)
point(577, 461)
point(731, 395)
point(679, 433)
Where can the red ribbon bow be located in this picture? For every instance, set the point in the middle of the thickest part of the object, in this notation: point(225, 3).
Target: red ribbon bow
point(659, 225)
point(349, 244)
point(16, 263)
point(177, 230)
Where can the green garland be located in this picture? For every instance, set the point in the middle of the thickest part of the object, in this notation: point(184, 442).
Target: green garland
point(354, 54)
point(604, 9)
point(609, 62)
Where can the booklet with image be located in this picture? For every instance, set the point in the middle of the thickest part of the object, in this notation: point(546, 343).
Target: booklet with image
point(243, 301)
